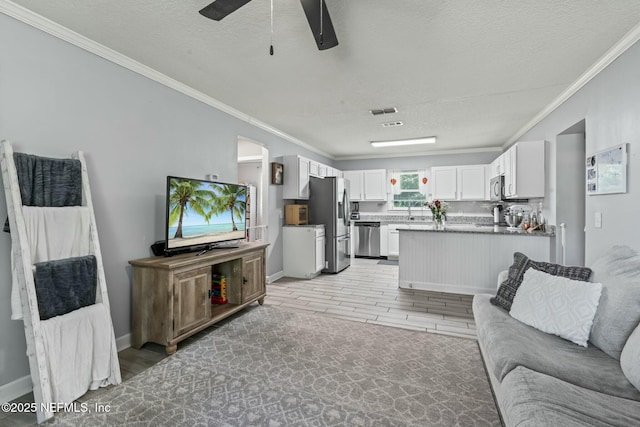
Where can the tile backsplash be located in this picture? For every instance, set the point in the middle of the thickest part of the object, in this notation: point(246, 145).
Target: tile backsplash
point(477, 212)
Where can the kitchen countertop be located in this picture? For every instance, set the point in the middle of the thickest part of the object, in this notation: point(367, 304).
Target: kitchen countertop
point(473, 229)
point(305, 225)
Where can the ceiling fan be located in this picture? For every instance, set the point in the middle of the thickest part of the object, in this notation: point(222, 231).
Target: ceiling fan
point(316, 11)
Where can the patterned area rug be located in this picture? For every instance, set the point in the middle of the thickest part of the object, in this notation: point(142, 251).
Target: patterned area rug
point(271, 367)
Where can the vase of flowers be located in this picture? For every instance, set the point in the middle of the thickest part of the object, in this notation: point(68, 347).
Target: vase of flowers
point(439, 212)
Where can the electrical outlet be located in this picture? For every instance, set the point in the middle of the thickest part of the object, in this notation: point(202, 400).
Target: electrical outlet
point(598, 220)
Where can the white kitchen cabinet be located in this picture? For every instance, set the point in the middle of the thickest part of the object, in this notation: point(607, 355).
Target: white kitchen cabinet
point(445, 182)
point(367, 185)
point(375, 185)
point(384, 240)
point(314, 168)
point(497, 167)
point(320, 251)
point(356, 185)
point(524, 170)
point(295, 178)
point(459, 182)
point(393, 241)
point(510, 158)
point(472, 182)
point(303, 250)
point(322, 170)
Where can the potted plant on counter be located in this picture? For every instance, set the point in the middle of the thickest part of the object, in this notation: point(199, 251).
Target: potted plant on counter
point(439, 212)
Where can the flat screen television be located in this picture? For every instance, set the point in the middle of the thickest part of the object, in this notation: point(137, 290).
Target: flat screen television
point(203, 214)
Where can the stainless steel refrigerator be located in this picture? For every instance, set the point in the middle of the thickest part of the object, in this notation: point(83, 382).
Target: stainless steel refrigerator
point(329, 205)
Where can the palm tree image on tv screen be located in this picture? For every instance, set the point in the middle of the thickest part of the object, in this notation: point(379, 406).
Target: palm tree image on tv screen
point(204, 212)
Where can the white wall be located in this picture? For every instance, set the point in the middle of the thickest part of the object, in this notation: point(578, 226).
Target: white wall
point(570, 195)
point(56, 98)
point(250, 173)
point(610, 106)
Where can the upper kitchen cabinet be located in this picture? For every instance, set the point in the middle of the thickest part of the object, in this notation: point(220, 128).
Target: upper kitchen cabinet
point(524, 170)
point(459, 182)
point(322, 170)
point(333, 172)
point(355, 183)
point(367, 185)
point(314, 169)
point(295, 177)
point(497, 167)
point(445, 182)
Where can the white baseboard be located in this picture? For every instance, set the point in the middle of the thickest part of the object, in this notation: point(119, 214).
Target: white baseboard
point(123, 342)
point(15, 389)
point(23, 385)
point(274, 277)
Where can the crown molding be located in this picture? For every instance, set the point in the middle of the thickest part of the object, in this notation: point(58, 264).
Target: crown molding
point(422, 153)
point(605, 60)
point(32, 19)
point(48, 26)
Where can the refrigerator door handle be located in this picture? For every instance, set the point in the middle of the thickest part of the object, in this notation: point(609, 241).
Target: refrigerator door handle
point(345, 207)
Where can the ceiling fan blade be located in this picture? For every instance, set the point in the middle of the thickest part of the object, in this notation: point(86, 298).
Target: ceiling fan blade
point(221, 8)
point(327, 39)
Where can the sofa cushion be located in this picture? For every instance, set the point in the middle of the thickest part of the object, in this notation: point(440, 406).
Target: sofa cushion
point(510, 343)
point(630, 358)
point(619, 311)
point(508, 288)
point(557, 305)
point(530, 398)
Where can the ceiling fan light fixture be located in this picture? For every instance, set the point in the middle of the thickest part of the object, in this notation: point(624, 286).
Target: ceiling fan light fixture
point(400, 142)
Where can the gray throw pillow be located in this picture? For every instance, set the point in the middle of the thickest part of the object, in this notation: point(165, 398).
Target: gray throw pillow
point(619, 310)
point(630, 357)
point(508, 288)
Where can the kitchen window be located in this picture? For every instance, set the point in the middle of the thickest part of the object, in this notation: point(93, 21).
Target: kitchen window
point(408, 189)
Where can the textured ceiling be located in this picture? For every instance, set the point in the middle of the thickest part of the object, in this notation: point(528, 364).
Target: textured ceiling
point(470, 72)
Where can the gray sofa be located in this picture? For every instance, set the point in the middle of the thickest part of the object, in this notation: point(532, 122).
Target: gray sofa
point(543, 380)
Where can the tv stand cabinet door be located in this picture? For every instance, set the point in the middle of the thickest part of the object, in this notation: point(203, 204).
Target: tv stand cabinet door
point(192, 305)
point(252, 276)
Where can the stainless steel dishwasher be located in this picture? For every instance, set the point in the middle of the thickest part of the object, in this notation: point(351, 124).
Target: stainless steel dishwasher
point(367, 242)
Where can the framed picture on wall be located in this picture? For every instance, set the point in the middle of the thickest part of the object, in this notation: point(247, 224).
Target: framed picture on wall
point(277, 173)
point(607, 171)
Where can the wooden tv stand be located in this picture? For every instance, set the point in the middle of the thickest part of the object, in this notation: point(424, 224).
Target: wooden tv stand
point(171, 299)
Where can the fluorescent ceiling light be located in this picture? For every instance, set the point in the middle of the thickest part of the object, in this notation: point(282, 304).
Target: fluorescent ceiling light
point(415, 141)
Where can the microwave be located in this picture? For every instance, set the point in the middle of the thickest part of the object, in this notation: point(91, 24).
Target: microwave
point(496, 188)
point(296, 214)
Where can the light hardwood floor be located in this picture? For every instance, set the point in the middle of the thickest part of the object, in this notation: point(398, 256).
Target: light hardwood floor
point(365, 292)
point(368, 292)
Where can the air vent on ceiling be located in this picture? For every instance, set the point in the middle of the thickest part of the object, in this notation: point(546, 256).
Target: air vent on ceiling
point(392, 124)
point(380, 111)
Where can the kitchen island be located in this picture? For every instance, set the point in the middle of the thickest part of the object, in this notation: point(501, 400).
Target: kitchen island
point(464, 258)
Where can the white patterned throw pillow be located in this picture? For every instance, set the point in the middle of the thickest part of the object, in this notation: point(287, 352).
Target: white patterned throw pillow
point(557, 305)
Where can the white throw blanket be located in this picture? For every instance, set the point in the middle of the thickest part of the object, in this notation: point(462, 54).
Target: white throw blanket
point(53, 233)
point(78, 348)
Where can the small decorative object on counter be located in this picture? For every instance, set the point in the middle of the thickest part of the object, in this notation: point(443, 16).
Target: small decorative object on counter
point(439, 212)
point(540, 217)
